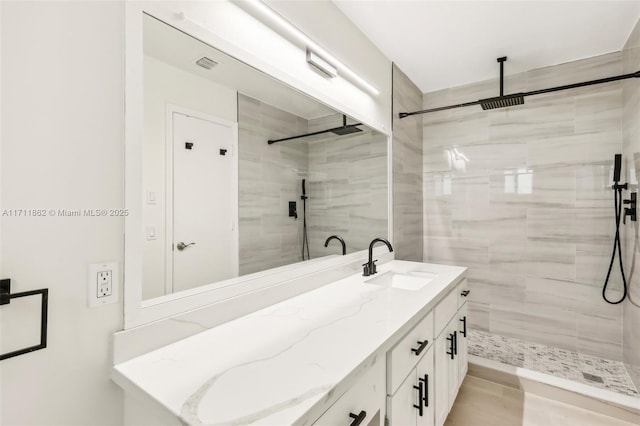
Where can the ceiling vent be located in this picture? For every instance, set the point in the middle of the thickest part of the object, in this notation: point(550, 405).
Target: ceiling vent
point(206, 63)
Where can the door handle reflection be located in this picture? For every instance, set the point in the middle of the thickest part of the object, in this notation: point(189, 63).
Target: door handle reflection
point(181, 246)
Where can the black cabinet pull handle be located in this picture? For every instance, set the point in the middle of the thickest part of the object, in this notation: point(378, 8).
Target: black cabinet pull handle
point(450, 339)
point(420, 398)
point(357, 418)
point(425, 380)
point(420, 348)
point(465, 293)
point(464, 326)
point(455, 343)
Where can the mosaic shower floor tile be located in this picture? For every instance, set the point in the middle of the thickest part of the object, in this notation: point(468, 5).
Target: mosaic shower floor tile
point(590, 370)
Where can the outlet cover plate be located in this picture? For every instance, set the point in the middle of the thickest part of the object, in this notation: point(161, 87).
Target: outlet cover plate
point(93, 286)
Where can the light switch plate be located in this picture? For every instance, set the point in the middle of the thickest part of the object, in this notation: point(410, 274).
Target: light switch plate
point(151, 197)
point(102, 284)
point(151, 232)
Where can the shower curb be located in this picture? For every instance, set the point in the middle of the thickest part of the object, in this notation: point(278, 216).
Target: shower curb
point(579, 395)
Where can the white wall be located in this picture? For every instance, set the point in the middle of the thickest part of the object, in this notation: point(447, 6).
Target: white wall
point(62, 147)
point(165, 84)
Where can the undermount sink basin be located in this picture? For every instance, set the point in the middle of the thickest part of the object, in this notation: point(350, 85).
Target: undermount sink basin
point(401, 281)
point(422, 274)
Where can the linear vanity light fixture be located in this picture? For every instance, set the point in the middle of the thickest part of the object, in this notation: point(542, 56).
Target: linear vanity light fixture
point(270, 17)
point(324, 68)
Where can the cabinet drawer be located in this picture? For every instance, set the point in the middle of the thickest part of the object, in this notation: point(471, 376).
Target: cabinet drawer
point(445, 310)
point(366, 395)
point(405, 355)
point(463, 293)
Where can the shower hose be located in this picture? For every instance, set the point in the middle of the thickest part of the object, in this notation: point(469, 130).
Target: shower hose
point(305, 239)
point(617, 204)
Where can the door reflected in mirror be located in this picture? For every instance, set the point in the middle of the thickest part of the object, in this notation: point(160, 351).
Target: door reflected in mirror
point(220, 201)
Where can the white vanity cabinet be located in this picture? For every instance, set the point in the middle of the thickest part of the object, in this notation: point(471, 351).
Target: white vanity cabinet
point(352, 352)
point(436, 367)
point(450, 356)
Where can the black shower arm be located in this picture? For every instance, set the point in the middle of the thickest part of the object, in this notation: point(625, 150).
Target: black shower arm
point(344, 121)
point(531, 93)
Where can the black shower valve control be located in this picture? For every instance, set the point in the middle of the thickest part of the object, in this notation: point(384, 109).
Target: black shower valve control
point(293, 209)
point(631, 211)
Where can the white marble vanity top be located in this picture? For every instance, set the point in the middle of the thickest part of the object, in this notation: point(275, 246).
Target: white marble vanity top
point(287, 363)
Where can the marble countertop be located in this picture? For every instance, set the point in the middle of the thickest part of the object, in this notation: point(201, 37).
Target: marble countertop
point(287, 363)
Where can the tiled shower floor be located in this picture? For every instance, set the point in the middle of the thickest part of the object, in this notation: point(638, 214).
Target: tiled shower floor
point(554, 361)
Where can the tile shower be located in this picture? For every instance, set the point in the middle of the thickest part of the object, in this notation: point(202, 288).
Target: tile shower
point(522, 197)
point(346, 182)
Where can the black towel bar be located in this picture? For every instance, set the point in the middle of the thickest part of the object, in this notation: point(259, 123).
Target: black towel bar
point(5, 299)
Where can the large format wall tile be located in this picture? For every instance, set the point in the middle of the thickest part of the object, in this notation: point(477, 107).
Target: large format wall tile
point(555, 326)
point(269, 176)
point(346, 182)
point(407, 170)
point(347, 188)
point(522, 197)
point(631, 140)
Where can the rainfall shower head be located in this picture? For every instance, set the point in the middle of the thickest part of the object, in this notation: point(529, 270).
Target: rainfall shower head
point(502, 101)
point(345, 130)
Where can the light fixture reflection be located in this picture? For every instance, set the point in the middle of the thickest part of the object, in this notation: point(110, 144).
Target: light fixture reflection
point(518, 181)
point(456, 159)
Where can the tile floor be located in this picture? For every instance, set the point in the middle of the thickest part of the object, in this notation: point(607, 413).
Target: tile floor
point(483, 403)
point(555, 361)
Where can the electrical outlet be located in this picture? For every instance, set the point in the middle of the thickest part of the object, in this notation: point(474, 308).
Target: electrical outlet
point(102, 284)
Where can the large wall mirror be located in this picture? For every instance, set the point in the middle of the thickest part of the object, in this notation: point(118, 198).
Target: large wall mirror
point(241, 173)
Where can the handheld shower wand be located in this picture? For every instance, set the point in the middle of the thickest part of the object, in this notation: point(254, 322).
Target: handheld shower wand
point(617, 203)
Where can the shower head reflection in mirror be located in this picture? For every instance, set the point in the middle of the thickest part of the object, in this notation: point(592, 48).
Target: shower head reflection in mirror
point(209, 177)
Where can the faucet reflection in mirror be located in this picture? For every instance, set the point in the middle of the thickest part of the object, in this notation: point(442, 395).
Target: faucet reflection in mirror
point(340, 239)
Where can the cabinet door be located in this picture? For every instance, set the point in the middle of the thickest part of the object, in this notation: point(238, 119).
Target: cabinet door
point(462, 344)
point(452, 364)
point(404, 356)
point(424, 372)
point(401, 405)
point(441, 370)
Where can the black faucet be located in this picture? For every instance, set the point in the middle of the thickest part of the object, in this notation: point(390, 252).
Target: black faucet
point(370, 266)
point(336, 237)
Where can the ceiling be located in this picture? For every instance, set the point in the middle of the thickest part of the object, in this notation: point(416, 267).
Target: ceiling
point(181, 50)
point(441, 44)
